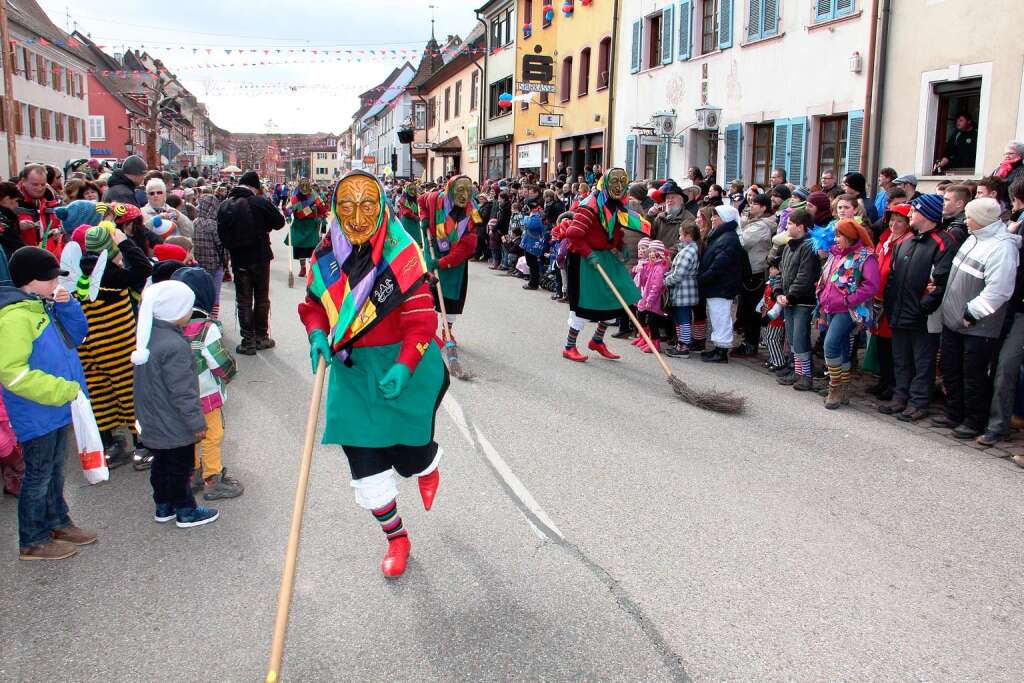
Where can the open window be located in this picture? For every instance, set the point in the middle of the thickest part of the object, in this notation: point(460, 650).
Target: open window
point(956, 134)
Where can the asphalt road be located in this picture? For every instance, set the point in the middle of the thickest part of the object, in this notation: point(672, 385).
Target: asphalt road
point(589, 526)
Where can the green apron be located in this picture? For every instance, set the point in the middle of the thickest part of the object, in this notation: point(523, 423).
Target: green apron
point(594, 292)
point(412, 226)
point(304, 233)
point(450, 278)
point(357, 413)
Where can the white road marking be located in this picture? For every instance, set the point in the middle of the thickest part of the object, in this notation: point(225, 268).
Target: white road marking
point(499, 465)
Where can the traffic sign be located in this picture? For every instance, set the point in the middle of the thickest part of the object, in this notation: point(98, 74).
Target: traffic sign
point(424, 145)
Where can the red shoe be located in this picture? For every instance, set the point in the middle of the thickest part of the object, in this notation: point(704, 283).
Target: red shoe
point(657, 346)
point(396, 558)
point(428, 488)
point(574, 354)
point(602, 349)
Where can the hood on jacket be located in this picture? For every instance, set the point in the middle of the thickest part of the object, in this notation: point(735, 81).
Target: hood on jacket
point(998, 231)
point(201, 284)
point(119, 178)
point(241, 191)
point(9, 294)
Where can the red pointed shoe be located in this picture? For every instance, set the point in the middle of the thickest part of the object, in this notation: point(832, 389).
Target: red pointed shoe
point(657, 346)
point(428, 488)
point(602, 349)
point(574, 354)
point(396, 558)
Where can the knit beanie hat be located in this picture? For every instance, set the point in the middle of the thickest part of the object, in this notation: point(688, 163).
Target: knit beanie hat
point(728, 213)
point(169, 301)
point(250, 179)
point(930, 206)
point(165, 270)
point(169, 252)
point(657, 246)
point(854, 232)
point(984, 211)
point(644, 243)
point(163, 226)
point(133, 165)
point(98, 238)
point(802, 192)
point(78, 212)
point(156, 184)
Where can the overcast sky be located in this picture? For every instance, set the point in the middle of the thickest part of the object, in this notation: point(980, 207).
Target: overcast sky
point(324, 95)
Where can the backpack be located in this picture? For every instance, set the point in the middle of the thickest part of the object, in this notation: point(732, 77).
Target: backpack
point(234, 221)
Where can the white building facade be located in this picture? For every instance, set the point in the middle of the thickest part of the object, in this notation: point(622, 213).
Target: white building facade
point(499, 69)
point(381, 151)
point(51, 110)
point(743, 85)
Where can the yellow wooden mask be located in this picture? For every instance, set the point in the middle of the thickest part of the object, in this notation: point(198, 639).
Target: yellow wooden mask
point(358, 207)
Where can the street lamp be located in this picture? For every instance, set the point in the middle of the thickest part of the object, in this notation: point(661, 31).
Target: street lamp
point(129, 147)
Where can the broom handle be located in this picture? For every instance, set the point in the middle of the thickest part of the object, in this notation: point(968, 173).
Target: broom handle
point(446, 331)
point(284, 596)
point(636, 323)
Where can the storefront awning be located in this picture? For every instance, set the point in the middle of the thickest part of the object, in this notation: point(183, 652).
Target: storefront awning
point(450, 147)
point(497, 140)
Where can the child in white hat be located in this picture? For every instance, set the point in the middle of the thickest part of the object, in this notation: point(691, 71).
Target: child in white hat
point(167, 402)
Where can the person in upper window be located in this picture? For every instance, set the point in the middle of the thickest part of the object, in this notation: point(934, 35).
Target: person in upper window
point(961, 147)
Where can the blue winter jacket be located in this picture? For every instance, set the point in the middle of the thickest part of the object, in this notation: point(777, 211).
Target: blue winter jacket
point(40, 372)
point(533, 234)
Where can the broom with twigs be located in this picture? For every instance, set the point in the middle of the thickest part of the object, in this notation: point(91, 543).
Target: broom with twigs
point(717, 401)
point(291, 267)
point(451, 352)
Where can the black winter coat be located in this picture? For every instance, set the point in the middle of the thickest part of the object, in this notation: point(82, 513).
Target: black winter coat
point(801, 269)
point(956, 226)
point(244, 223)
point(721, 263)
point(918, 260)
point(120, 188)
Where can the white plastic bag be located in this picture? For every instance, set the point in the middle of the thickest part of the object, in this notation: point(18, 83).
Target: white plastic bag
point(90, 446)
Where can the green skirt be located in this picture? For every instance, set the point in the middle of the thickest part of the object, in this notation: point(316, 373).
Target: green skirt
point(453, 281)
point(305, 232)
point(589, 296)
point(357, 413)
point(412, 226)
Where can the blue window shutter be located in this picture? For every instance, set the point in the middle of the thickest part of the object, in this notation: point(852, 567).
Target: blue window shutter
point(667, 32)
point(854, 139)
point(770, 18)
point(725, 24)
point(780, 145)
point(733, 150)
point(630, 155)
point(824, 10)
point(634, 65)
point(797, 150)
point(844, 7)
point(754, 10)
point(661, 162)
point(685, 28)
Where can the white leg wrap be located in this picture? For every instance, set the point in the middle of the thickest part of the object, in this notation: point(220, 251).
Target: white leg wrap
point(451, 318)
point(433, 465)
point(575, 322)
point(375, 491)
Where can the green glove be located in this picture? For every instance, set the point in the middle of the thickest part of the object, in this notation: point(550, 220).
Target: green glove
point(592, 259)
point(394, 381)
point(318, 346)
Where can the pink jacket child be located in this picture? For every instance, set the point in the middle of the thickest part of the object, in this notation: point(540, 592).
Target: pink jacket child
point(651, 279)
point(641, 258)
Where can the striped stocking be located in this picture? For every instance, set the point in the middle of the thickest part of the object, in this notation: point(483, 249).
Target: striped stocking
point(390, 520)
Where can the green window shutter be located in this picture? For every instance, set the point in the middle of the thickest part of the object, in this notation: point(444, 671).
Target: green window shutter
point(797, 150)
point(824, 10)
point(733, 144)
point(661, 162)
point(667, 32)
point(725, 24)
point(634, 65)
point(754, 10)
point(770, 18)
point(844, 7)
point(685, 28)
point(630, 155)
point(854, 139)
point(780, 144)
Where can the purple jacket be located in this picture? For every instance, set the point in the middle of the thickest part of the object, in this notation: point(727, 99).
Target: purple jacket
point(832, 298)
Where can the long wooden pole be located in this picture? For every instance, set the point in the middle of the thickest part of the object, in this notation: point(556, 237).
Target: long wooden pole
point(291, 555)
point(636, 323)
point(8, 59)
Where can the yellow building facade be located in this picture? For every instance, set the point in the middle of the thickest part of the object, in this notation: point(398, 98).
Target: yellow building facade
point(568, 126)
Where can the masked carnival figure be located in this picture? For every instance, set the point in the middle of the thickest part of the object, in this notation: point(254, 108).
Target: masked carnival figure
point(595, 238)
point(306, 209)
point(452, 220)
point(368, 313)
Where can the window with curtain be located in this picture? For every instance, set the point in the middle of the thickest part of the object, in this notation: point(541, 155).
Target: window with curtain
point(566, 79)
point(604, 51)
point(832, 145)
point(709, 26)
point(761, 170)
point(458, 97)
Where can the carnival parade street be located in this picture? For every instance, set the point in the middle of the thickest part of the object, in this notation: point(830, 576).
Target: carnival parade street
point(600, 340)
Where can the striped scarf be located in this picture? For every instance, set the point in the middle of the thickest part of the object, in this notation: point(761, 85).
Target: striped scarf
point(358, 286)
point(306, 207)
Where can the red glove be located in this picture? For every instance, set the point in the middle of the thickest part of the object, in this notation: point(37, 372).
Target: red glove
point(444, 262)
point(578, 237)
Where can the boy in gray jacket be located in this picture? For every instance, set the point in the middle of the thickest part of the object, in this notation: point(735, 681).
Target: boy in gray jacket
point(167, 402)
